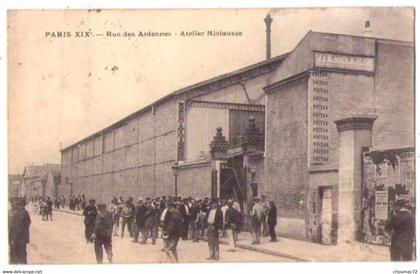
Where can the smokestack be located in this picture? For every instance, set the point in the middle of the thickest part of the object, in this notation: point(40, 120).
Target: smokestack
point(268, 21)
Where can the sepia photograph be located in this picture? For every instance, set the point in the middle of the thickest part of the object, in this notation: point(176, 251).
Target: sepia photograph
point(229, 135)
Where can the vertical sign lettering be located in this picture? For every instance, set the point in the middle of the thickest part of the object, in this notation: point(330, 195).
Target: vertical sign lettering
point(318, 118)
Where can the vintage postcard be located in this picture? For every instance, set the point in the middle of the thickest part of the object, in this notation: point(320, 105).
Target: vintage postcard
point(211, 135)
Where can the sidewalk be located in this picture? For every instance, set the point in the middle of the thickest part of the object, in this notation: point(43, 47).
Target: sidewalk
point(313, 252)
point(303, 251)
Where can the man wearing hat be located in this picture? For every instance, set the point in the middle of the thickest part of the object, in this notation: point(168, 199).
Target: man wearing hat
point(172, 230)
point(90, 213)
point(401, 227)
point(19, 222)
point(149, 222)
point(272, 221)
point(102, 234)
point(139, 219)
point(233, 224)
point(257, 214)
point(214, 224)
point(126, 218)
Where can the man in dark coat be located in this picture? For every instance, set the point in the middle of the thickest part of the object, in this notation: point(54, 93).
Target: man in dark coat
point(49, 208)
point(102, 234)
point(149, 222)
point(214, 224)
point(172, 230)
point(272, 221)
point(194, 211)
point(233, 223)
point(139, 219)
point(401, 226)
point(19, 222)
point(184, 209)
point(131, 226)
point(90, 213)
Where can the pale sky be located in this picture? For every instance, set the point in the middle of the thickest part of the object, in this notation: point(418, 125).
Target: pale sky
point(63, 89)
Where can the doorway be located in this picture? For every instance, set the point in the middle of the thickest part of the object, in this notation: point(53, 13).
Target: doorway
point(326, 215)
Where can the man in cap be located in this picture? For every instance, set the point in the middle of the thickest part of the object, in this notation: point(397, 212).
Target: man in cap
point(19, 222)
point(102, 234)
point(185, 213)
point(90, 213)
point(149, 222)
point(194, 211)
point(401, 226)
point(126, 218)
point(257, 214)
point(214, 224)
point(265, 206)
point(233, 224)
point(272, 221)
point(172, 230)
point(139, 218)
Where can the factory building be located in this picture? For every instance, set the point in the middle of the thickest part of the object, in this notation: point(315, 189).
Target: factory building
point(304, 128)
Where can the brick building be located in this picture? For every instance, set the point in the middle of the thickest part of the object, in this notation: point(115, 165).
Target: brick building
point(314, 110)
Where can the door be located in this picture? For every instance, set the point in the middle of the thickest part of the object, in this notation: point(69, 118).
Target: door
point(326, 215)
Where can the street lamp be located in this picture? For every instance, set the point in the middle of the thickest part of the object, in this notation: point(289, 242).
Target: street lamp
point(175, 172)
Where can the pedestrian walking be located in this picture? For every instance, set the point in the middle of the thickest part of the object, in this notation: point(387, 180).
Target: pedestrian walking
point(272, 221)
point(172, 231)
point(202, 218)
point(19, 223)
point(214, 224)
point(132, 223)
point(401, 227)
point(140, 210)
point(90, 212)
point(257, 213)
point(265, 206)
point(102, 234)
point(49, 209)
point(126, 218)
point(149, 222)
point(115, 209)
point(233, 225)
point(224, 207)
point(194, 214)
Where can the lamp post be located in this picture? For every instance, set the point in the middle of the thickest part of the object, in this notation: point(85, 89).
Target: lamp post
point(175, 172)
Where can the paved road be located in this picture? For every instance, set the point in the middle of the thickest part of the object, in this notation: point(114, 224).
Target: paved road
point(62, 242)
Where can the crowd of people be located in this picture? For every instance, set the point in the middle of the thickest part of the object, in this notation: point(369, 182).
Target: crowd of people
point(175, 218)
point(43, 207)
point(172, 219)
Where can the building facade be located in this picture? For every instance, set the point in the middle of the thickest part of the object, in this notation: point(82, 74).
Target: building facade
point(293, 128)
point(140, 154)
point(327, 79)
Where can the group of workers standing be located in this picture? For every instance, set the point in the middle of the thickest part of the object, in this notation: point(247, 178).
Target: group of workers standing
point(176, 218)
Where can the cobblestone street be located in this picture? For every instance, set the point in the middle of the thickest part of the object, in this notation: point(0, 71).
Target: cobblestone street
point(61, 241)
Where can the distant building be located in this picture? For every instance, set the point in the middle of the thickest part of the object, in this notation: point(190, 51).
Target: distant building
point(41, 180)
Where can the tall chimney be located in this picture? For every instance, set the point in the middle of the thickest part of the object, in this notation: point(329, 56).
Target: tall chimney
point(268, 21)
